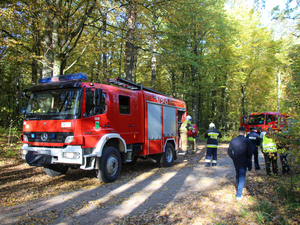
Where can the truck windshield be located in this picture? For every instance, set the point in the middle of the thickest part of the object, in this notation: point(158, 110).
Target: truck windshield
point(54, 104)
point(257, 119)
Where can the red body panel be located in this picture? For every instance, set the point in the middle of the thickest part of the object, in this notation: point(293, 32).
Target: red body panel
point(132, 127)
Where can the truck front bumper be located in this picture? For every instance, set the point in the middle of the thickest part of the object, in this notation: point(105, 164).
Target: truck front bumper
point(72, 154)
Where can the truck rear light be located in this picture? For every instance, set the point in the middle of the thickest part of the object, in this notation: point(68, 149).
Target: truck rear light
point(69, 139)
point(71, 155)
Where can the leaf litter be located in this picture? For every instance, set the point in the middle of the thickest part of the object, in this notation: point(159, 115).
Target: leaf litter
point(20, 183)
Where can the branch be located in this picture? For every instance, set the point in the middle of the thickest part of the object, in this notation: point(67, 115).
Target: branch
point(82, 52)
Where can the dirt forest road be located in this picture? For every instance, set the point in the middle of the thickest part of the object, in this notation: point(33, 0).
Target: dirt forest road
point(127, 197)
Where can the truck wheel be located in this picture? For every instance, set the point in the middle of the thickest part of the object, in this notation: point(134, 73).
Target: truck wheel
point(166, 159)
point(110, 165)
point(55, 170)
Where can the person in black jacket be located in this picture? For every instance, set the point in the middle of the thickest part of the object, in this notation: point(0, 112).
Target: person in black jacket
point(212, 136)
point(240, 150)
point(255, 140)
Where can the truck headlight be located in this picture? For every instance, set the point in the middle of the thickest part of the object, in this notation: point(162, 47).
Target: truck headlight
point(25, 138)
point(69, 139)
point(71, 155)
point(24, 152)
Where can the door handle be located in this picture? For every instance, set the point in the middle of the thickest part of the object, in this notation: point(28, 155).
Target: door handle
point(130, 125)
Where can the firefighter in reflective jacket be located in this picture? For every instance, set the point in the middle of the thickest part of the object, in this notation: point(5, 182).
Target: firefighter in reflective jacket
point(269, 150)
point(184, 127)
point(212, 136)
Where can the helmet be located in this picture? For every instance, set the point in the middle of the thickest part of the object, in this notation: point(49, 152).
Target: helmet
point(189, 118)
point(212, 125)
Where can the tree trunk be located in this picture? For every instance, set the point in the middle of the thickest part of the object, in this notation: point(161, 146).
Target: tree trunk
point(129, 48)
point(57, 22)
point(104, 55)
point(48, 52)
point(243, 94)
point(153, 50)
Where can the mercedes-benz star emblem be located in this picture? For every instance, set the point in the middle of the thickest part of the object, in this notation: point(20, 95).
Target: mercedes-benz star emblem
point(44, 136)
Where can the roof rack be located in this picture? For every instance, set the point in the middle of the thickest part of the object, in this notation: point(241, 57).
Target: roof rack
point(131, 85)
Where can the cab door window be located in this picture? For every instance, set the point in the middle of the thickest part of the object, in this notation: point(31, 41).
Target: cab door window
point(90, 108)
point(124, 104)
point(270, 118)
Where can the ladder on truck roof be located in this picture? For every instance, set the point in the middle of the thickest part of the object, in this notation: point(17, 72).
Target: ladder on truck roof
point(131, 85)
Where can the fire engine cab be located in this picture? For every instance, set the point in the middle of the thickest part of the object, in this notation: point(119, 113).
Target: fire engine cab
point(261, 121)
point(70, 123)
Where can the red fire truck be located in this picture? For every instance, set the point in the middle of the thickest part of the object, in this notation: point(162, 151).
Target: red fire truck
point(261, 121)
point(69, 123)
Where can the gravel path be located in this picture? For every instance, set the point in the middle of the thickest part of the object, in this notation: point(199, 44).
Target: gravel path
point(126, 197)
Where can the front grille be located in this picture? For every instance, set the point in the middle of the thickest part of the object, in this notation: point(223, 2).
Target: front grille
point(52, 137)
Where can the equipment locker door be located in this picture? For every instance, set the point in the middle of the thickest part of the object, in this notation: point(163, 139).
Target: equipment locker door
point(154, 128)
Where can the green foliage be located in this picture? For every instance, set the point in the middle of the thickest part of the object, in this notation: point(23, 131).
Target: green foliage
point(264, 212)
point(10, 142)
point(223, 63)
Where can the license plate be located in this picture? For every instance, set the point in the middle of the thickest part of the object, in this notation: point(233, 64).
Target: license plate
point(44, 152)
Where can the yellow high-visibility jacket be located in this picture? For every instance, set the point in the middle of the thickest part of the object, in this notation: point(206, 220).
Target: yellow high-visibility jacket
point(268, 145)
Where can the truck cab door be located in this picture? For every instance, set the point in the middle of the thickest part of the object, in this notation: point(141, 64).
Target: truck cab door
point(96, 119)
point(128, 116)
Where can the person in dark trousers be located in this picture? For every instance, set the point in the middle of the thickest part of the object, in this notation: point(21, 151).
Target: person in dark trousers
point(240, 150)
point(212, 136)
point(283, 149)
point(255, 140)
point(269, 149)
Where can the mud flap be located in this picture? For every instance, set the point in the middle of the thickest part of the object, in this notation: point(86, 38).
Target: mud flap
point(37, 160)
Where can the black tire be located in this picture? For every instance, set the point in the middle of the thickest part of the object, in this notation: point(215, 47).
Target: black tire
point(110, 165)
point(55, 170)
point(166, 159)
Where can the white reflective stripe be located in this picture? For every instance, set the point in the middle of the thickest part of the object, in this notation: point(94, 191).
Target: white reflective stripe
point(207, 160)
point(269, 147)
point(212, 146)
point(212, 133)
point(214, 161)
point(269, 144)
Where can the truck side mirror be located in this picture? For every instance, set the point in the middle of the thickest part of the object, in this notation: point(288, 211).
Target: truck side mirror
point(97, 99)
point(22, 94)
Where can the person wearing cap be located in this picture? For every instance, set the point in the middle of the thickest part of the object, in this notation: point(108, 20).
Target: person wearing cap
point(269, 149)
point(240, 151)
point(255, 140)
point(212, 136)
point(183, 130)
